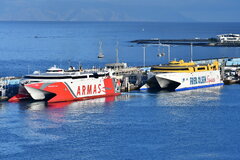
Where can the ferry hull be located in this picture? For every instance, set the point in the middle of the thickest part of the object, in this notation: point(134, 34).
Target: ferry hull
point(188, 81)
point(71, 90)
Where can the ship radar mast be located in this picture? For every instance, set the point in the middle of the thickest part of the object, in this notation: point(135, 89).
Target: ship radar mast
point(117, 58)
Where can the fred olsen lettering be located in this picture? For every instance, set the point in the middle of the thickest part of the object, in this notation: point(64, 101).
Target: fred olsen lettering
point(197, 80)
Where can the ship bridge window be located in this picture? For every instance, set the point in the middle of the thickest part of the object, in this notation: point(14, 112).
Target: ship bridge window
point(94, 75)
point(35, 81)
point(79, 77)
point(102, 75)
point(214, 68)
point(54, 70)
point(170, 69)
point(201, 68)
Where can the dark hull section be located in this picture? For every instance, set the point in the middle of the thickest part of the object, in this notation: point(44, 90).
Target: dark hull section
point(232, 81)
point(153, 83)
point(166, 84)
point(172, 86)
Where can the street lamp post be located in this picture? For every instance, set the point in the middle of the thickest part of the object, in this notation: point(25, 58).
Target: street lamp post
point(169, 50)
point(191, 51)
point(144, 55)
point(168, 53)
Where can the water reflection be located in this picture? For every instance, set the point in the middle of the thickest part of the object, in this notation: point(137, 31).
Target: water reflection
point(42, 105)
point(199, 97)
point(1, 106)
point(85, 103)
point(42, 123)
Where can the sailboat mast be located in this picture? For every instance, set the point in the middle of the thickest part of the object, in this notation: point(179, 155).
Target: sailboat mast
point(100, 54)
point(100, 46)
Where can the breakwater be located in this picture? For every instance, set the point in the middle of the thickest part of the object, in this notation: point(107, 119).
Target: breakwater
point(207, 42)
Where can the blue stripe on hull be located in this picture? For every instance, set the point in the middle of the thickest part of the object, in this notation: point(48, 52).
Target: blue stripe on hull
point(197, 87)
point(143, 88)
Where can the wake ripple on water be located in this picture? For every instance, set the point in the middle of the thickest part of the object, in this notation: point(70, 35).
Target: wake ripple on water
point(199, 97)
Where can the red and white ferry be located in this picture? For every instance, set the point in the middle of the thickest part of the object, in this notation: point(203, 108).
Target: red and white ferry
point(58, 85)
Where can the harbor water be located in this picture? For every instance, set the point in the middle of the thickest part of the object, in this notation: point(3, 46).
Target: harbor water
point(198, 124)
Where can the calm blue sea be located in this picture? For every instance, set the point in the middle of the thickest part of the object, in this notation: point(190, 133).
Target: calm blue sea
point(189, 125)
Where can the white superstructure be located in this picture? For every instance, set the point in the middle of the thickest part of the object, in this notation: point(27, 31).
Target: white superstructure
point(229, 38)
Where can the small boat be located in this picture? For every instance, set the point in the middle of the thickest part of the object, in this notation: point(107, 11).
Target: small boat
point(231, 80)
point(100, 54)
point(55, 70)
point(58, 85)
point(229, 38)
point(231, 75)
point(180, 75)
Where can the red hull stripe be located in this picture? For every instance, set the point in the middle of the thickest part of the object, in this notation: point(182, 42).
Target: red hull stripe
point(83, 98)
point(61, 91)
point(70, 90)
point(19, 97)
point(109, 87)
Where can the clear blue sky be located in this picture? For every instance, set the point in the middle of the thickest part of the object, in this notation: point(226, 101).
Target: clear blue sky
point(121, 10)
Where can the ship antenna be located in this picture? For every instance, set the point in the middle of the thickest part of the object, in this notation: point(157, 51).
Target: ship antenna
point(117, 58)
point(28, 69)
point(69, 62)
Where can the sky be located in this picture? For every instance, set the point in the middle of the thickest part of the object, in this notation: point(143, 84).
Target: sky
point(121, 10)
